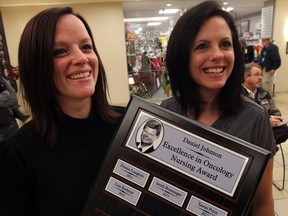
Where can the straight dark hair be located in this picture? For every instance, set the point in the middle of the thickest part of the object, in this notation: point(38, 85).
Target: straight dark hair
point(184, 88)
point(36, 70)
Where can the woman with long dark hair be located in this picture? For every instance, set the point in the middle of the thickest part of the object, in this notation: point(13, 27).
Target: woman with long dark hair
point(49, 166)
point(206, 71)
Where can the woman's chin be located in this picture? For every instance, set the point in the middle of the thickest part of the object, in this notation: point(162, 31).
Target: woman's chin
point(84, 93)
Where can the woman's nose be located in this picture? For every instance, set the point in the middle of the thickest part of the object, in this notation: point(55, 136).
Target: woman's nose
point(79, 57)
point(216, 54)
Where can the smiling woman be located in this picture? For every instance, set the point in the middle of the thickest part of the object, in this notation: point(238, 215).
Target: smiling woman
point(212, 56)
point(75, 66)
point(48, 167)
point(205, 68)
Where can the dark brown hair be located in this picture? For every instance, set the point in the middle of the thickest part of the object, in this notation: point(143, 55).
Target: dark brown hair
point(184, 88)
point(35, 58)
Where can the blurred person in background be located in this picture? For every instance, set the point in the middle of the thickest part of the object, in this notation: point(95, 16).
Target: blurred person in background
point(270, 61)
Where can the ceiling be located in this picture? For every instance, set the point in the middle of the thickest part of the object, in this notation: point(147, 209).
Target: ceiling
point(146, 8)
point(132, 9)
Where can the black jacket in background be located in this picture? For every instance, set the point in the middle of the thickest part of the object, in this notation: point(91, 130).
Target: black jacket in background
point(8, 99)
point(272, 59)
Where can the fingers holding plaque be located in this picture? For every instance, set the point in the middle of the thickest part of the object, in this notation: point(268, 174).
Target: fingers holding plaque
point(161, 163)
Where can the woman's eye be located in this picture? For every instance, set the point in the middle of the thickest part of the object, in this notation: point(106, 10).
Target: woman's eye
point(87, 47)
point(59, 52)
point(201, 46)
point(226, 44)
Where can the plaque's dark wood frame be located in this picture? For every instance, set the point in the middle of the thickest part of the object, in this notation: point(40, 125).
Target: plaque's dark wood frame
point(239, 204)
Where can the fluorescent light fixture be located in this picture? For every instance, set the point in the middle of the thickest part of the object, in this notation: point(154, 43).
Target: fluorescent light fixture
point(168, 11)
point(145, 19)
point(228, 9)
point(153, 23)
point(168, 5)
point(225, 3)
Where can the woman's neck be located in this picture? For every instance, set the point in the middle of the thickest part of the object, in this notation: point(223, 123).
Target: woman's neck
point(209, 111)
point(76, 108)
point(208, 114)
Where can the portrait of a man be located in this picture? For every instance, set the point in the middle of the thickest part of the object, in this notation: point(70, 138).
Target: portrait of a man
point(149, 138)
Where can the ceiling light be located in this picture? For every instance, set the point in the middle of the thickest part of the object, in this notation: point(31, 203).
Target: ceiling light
point(153, 23)
point(225, 3)
point(168, 5)
point(145, 19)
point(228, 9)
point(168, 11)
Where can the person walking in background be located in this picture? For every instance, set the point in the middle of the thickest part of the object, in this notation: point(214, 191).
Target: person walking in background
point(145, 63)
point(50, 164)
point(8, 76)
point(9, 110)
point(252, 89)
point(270, 61)
point(206, 70)
point(243, 46)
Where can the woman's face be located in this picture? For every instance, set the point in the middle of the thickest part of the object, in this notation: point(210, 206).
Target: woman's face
point(75, 62)
point(212, 55)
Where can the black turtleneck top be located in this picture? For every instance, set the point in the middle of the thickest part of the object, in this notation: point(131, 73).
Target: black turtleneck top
point(36, 179)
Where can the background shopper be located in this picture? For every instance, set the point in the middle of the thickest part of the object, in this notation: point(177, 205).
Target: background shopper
point(9, 109)
point(270, 61)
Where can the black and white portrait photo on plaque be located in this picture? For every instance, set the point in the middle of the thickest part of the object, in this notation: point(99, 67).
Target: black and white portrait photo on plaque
point(149, 136)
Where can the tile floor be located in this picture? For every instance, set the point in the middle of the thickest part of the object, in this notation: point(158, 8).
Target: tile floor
point(280, 197)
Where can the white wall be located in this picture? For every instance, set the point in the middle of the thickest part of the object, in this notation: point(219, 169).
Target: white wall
point(280, 35)
point(106, 22)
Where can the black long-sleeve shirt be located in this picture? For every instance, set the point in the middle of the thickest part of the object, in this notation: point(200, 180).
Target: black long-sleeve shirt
point(38, 180)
